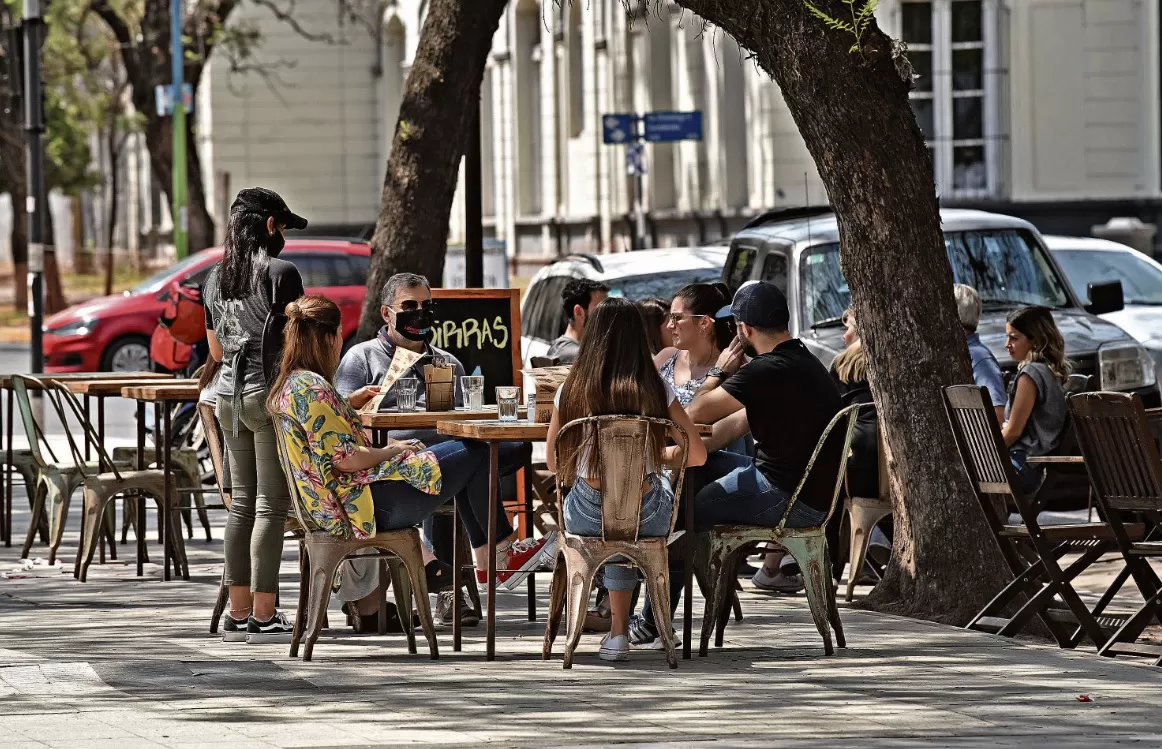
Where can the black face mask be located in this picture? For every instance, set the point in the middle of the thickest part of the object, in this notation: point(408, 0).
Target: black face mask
point(275, 243)
point(415, 324)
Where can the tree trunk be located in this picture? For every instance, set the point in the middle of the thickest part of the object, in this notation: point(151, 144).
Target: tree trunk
point(111, 223)
point(19, 235)
point(159, 142)
point(440, 96)
point(853, 113)
point(54, 296)
point(82, 256)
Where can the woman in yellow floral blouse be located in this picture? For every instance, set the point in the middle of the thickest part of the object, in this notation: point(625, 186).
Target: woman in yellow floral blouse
point(351, 488)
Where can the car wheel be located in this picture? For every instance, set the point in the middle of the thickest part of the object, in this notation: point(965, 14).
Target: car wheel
point(128, 354)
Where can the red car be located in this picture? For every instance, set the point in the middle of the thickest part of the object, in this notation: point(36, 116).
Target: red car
point(111, 334)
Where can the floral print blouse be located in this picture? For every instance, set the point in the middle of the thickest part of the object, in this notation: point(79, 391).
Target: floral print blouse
point(321, 428)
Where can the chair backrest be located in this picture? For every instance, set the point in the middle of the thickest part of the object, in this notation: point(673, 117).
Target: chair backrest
point(538, 362)
point(31, 428)
point(1079, 383)
point(823, 479)
point(1120, 451)
point(213, 434)
point(61, 396)
point(983, 451)
point(619, 443)
point(281, 430)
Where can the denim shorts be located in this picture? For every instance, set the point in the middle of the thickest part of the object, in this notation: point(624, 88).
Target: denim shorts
point(582, 512)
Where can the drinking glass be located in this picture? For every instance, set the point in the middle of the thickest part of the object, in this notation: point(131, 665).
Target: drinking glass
point(531, 403)
point(507, 402)
point(405, 397)
point(473, 387)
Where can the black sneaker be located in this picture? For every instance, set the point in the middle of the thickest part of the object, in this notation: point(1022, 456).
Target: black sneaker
point(643, 635)
point(277, 629)
point(233, 630)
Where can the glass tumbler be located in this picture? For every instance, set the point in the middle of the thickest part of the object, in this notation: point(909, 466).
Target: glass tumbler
point(473, 387)
point(507, 402)
point(405, 397)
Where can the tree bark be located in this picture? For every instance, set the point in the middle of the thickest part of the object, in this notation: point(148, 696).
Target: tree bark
point(853, 112)
point(145, 53)
point(114, 194)
point(442, 90)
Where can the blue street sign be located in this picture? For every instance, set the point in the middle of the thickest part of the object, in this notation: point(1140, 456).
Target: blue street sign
point(617, 128)
point(666, 127)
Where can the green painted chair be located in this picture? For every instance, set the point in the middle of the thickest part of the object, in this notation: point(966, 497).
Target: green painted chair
point(720, 548)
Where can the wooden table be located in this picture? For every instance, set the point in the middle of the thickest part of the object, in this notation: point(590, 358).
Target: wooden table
point(493, 433)
point(161, 395)
point(421, 419)
point(67, 377)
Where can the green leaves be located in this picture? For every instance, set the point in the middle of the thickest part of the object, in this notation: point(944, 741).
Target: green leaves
point(861, 18)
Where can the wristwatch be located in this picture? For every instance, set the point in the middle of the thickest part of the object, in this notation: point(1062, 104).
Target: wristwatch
point(718, 372)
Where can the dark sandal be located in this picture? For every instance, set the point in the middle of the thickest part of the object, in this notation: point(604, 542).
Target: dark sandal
point(439, 576)
point(369, 623)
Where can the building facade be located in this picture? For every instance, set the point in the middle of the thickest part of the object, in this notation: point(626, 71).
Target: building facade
point(1048, 109)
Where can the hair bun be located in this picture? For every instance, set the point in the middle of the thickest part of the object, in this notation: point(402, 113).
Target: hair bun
point(294, 311)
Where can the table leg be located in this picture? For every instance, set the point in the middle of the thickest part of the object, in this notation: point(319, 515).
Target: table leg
point(457, 572)
point(101, 427)
point(688, 588)
point(8, 475)
point(5, 520)
point(85, 409)
point(527, 480)
point(493, 495)
point(138, 502)
point(163, 463)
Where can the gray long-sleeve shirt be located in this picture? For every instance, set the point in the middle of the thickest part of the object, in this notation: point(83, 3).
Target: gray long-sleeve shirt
point(367, 364)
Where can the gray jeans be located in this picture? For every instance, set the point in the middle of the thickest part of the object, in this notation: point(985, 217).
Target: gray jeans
point(253, 544)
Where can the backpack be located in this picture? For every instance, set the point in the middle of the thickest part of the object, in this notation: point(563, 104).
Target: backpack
point(184, 315)
point(167, 352)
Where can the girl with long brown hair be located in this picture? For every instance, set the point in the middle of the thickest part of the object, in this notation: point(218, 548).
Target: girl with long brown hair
point(1036, 409)
point(615, 374)
point(352, 489)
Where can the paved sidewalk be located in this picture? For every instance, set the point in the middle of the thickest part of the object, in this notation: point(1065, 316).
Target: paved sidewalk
point(122, 662)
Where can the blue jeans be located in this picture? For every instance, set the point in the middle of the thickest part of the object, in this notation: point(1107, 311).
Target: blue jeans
point(744, 496)
point(582, 512)
point(464, 468)
point(1029, 477)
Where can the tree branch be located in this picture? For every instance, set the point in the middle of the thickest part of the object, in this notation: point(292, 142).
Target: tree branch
point(287, 17)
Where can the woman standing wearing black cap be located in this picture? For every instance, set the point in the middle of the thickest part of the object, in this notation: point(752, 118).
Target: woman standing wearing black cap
point(246, 296)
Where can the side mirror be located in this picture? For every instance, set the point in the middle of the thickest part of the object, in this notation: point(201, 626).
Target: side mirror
point(1105, 296)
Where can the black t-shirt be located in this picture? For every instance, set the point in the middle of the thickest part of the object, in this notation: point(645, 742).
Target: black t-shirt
point(239, 325)
point(790, 398)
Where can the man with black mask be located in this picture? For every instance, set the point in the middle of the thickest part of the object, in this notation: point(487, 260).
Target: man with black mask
point(406, 307)
point(409, 316)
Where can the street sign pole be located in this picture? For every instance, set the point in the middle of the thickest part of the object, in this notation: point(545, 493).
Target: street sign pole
point(653, 127)
point(180, 215)
point(37, 201)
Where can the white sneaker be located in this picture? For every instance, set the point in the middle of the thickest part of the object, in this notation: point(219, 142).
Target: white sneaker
point(778, 583)
point(614, 648)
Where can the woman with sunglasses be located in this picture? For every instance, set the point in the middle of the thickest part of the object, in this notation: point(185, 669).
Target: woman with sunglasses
point(697, 337)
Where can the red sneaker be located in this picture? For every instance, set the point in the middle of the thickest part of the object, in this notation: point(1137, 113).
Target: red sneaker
point(515, 563)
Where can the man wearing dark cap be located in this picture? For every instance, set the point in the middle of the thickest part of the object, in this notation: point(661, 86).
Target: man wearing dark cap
point(789, 399)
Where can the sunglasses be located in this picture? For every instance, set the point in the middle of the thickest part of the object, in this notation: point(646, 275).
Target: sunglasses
point(677, 317)
point(411, 304)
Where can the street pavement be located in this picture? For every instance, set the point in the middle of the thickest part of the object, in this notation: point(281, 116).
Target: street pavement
point(128, 662)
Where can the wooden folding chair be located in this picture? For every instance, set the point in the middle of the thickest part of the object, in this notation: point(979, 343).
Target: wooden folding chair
point(1031, 550)
point(1126, 472)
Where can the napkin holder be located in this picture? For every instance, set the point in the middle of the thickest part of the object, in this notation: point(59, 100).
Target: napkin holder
point(439, 387)
point(546, 380)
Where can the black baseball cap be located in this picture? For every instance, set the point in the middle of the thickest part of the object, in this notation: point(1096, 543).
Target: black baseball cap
point(760, 304)
point(267, 203)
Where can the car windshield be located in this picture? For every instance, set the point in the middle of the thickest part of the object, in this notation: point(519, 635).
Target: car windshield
point(159, 279)
point(1007, 268)
point(1141, 279)
point(662, 285)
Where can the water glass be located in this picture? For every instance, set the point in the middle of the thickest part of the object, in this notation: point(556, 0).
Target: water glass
point(473, 387)
point(405, 396)
point(531, 402)
point(507, 402)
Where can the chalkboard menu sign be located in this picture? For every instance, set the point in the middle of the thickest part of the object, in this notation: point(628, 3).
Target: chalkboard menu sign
point(481, 328)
